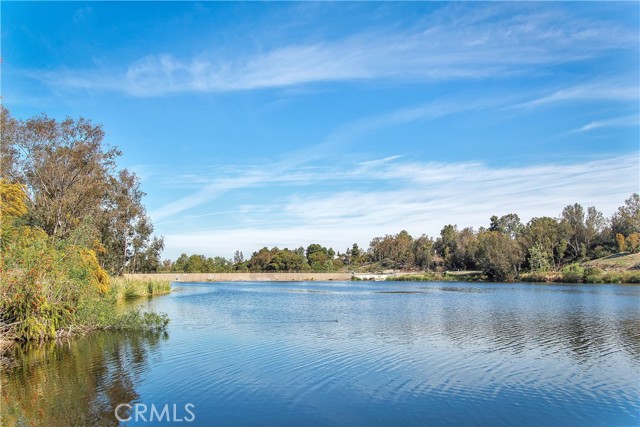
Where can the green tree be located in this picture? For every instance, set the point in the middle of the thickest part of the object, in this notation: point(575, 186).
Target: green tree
point(548, 235)
point(148, 261)
point(423, 252)
point(597, 232)
point(395, 251)
point(65, 170)
point(181, 264)
point(123, 226)
point(574, 229)
point(462, 251)
point(167, 266)
point(288, 261)
point(456, 247)
point(195, 264)
point(354, 255)
point(627, 219)
point(499, 256)
point(317, 257)
point(9, 155)
point(260, 260)
point(72, 183)
point(507, 224)
point(445, 245)
point(539, 259)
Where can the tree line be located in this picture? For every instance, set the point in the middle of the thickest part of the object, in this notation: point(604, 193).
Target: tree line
point(501, 251)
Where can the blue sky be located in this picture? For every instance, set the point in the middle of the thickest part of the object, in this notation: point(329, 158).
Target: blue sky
point(262, 124)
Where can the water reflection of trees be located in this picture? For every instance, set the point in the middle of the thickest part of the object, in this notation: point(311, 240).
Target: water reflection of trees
point(582, 335)
point(586, 333)
point(74, 383)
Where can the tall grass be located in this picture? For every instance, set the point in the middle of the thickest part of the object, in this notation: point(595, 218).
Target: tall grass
point(613, 277)
point(437, 277)
point(125, 288)
point(570, 274)
point(577, 274)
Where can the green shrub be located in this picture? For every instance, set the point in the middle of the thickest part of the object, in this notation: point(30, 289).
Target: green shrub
point(38, 292)
point(632, 277)
point(593, 275)
point(536, 277)
point(425, 277)
point(573, 273)
point(621, 277)
point(48, 286)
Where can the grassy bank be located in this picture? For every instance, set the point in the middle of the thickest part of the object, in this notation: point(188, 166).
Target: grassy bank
point(623, 261)
point(439, 277)
point(573, 273)
point(100, 314)
point(579, 274)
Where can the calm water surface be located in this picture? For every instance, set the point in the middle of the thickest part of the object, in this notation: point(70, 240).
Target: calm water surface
point(352, 354)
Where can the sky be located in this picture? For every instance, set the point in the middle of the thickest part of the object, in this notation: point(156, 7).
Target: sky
point(284, 124)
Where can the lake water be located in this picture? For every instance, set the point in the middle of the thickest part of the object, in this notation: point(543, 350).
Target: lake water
point(349, 354)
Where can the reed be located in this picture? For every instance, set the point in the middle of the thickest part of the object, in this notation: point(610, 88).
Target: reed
point(125, 288)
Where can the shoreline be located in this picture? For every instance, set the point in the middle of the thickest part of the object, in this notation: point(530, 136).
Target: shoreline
point(243, 277)
point(350, 277)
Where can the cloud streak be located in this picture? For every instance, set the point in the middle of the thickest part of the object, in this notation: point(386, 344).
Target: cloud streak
point(487, 43)
point(603, 91)
point(632, 120)
point(296, 169)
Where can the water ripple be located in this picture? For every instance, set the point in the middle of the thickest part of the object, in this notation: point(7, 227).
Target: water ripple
point(374, 354)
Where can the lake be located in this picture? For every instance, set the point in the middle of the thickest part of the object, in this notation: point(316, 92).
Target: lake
point(348, 354)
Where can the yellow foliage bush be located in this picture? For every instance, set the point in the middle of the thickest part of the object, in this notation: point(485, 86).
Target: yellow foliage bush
point(42, 280)
point(633, 242)
point(13, 199)
point(98, 277)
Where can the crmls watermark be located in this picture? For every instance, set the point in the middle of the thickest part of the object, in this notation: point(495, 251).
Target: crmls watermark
point(151, 413)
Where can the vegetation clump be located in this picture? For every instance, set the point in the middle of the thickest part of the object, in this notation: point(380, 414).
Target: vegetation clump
point(438, 277)
point(124, 288)
point(49, 286)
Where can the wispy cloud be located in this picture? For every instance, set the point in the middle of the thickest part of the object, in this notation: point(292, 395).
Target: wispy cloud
point(205, 194)
point(633, 120)
point(487, 43)
point(293, 168)
point(419, 197)
point(607, 90)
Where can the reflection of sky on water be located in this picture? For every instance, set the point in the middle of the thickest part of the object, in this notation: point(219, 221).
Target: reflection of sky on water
point(398, 353)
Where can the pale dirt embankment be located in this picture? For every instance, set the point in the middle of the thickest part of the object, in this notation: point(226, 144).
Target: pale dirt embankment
point(243, 277)
point(616, 262)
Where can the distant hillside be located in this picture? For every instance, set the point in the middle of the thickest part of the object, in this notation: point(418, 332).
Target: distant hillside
point(617, 262)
